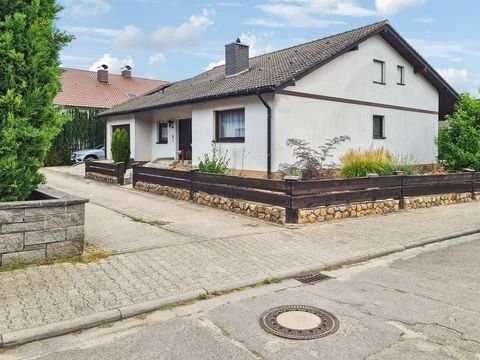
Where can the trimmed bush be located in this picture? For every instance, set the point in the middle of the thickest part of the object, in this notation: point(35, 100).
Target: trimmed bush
point(29, 81)
point(120, 146)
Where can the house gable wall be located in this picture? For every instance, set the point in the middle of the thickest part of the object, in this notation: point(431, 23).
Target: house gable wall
point(350, 76)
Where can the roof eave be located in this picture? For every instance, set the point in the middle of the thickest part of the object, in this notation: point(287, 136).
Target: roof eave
point(248, 92)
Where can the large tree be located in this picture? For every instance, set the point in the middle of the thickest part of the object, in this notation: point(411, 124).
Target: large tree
point(459, 142)
point(29, 80)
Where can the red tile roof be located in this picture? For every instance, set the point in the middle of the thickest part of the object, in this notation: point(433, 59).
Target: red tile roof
point(82, 89)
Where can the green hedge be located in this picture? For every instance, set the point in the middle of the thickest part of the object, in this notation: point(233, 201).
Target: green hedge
point(83, 132)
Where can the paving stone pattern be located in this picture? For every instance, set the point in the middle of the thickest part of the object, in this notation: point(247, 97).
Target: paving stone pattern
point(43, 295)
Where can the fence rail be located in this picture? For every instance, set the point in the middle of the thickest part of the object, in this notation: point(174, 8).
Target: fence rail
point(294, 195)
point(116, 170)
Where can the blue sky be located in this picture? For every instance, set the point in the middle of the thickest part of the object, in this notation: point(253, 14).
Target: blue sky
point(176, 39)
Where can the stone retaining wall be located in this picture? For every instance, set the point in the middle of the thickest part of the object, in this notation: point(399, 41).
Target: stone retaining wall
point(421, 202)
point(38, 230)
point(337, 212)
point(248, 208)
point(101, 177)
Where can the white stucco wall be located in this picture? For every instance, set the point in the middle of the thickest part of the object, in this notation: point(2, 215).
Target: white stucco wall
point(121, 120)
point(351, 76)
point(255, 145)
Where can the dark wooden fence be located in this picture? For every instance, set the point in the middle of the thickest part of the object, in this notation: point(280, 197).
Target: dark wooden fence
point(116, 170)
point(294, 195)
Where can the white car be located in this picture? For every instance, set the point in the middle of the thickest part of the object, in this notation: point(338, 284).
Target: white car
point(98, 153)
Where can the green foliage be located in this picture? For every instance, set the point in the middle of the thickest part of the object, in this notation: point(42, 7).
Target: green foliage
point(217, 164)
point(310, 161)
point(459, 143)
point(83, 132)
point(358, 163)
point(120, 146)
point(29, 80)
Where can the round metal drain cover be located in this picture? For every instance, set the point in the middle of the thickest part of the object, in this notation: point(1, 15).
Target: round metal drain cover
point(299, 322)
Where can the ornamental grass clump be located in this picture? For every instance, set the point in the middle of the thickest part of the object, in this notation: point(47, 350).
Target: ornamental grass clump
point(359, 163)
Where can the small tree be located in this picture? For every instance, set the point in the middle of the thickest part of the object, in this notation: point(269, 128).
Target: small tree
point(29, 80)
point(459, 142)
point(120, 146)
point(311, 160)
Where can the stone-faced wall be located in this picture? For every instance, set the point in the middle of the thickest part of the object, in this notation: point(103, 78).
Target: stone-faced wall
point(101, 177)
point(44, 229)
point(337, 212)
point(248, 208)
point(422, 202)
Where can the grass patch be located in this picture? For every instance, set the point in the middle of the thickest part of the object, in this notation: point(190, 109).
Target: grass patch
point(202, 297)
point(138, 219)
point(269, 281)
point(90, 256)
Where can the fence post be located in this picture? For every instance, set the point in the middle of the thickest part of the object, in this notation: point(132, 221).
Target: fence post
point(401, 205)
point(134, 166)
point(192, 182)
point(121, 173)
point(291, 214)
point(87, 167)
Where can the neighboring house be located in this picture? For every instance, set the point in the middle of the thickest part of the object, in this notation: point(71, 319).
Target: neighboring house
point(100, 90)
point(368, 83)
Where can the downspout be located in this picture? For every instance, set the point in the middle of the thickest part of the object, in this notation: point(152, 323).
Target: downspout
point(269, 136)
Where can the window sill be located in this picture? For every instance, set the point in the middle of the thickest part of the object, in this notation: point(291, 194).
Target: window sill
point(162, 142)
point(379, 83)
point(400, 84)
point(379, 137)
point(230, 140)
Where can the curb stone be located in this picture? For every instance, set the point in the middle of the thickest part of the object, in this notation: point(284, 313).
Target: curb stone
point(24, 336)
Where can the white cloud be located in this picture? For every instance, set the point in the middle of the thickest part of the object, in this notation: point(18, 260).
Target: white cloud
point(114, 63)
point(157, 58)
point(255, 43)
point(390, 7)
point(462, 80)
point(105, 32)
point(166, 36)
point(214, 64)
point(88, 8)
point(230, 4)
point(307, 13)
point(451, 50)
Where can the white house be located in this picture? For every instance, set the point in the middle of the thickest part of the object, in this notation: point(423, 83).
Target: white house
point(368, 83)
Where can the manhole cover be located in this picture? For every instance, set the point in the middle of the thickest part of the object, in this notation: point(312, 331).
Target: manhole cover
point(299, 322)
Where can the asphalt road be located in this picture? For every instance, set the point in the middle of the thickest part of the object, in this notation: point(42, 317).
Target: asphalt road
point(419, 304)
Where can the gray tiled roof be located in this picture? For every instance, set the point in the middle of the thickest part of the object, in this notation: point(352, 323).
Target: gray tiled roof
point(266, 73)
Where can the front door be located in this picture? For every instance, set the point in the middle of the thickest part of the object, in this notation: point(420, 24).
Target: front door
point(185, 138)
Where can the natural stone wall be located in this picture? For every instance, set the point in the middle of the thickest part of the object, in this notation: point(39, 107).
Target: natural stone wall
point(101, 177)
point(40, 230)
point(175, 193)
point(248, 208)
point(252, 209)
point(422, 202)
point(337, 212)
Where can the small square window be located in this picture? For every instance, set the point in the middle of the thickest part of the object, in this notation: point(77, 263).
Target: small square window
point(378, 127)
point(230, 126)
point(162, 133)
point(401, 75)
point(379, 74)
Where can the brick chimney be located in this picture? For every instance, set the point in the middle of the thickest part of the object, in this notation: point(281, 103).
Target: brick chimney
point(102, 73)
point(127, 71)
point(236, 58)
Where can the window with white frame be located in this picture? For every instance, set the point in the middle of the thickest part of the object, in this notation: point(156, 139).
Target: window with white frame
point(162, 133)
point(379, 72)
point(230, 125)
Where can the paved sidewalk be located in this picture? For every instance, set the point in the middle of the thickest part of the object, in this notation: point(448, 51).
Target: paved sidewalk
point(207, 250)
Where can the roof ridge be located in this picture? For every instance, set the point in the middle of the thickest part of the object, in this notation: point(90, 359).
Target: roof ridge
point(114, 74)
point(383, 22)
